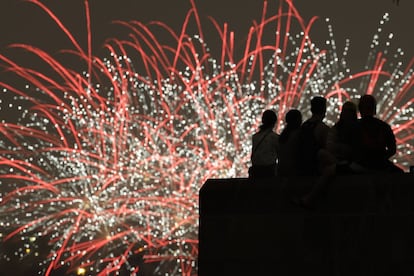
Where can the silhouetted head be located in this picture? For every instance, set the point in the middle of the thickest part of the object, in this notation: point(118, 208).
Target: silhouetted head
point(269, 119)
point(349, 112)
point(318, 106)
point(367, 106)
point(293, 121)
point(293, 118)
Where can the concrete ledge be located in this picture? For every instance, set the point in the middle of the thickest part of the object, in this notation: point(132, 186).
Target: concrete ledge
point(364, 225)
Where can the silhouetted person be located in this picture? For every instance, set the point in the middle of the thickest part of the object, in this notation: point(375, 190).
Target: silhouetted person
point(313, 138)
point(377, 141)
point(265, 144)
point(289, 154)
point(343, 138)
point(315, 159)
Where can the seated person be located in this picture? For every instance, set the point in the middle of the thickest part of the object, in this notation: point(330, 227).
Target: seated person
point(265, 144)
point(315, 159)
point(313, 139)
point(289, 144)
point(376, 143)
point(342, 138)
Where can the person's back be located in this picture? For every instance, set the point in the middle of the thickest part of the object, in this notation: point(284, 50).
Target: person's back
point(288, 155)
point(313, 138)
point(343, 136)
point(377, 141)
point(265, 145)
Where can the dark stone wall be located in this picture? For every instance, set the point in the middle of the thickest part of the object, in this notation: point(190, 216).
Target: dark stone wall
point(362, 225)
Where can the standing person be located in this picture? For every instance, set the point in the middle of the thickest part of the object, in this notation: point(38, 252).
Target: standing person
point(377, 141)
point(265, 144)
point(289, 144)
point(343, 137)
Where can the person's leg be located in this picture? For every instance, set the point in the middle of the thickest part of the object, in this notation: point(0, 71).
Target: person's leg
point(320, 186)
point(327, 171)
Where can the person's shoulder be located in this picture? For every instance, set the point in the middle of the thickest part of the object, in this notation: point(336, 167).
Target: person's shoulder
point(381, 123)
point(323, 125)
point(373, 122)
point(369, 120)
point(256, 135)
point(274, 135)
point(308, 124)
point(387, 127)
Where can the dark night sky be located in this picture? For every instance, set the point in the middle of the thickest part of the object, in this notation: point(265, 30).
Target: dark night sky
point(23, 22)
point(355, 19)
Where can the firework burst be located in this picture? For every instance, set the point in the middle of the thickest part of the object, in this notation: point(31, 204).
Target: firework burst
point(105, 165)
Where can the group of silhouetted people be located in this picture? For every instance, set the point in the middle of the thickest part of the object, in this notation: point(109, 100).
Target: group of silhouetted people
point(312, 148)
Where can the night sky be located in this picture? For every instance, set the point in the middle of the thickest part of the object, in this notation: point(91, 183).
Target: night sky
point(24, 22)
point(358, 20)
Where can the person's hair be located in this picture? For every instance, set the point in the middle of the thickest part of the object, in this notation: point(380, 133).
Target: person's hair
point(269, 119)
point(293, 120)
point(367, 105)
point(349, 112)
point(318, 105)
point(346, 124)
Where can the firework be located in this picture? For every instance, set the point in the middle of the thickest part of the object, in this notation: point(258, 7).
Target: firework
point(101, 174)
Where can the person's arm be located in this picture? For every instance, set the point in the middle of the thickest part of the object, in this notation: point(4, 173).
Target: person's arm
point(390, 143)
point(331, 142)
point(321, 134)
point(252, 151)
